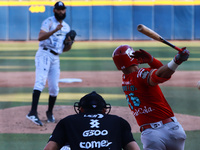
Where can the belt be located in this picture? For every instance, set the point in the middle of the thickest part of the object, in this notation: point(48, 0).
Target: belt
point(144, 127)
point(51, 51)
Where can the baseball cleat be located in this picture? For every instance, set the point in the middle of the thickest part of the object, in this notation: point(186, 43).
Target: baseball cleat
point(34, 119)
point(50, 117)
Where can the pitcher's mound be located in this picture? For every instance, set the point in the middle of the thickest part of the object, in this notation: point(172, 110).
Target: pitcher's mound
point(13, 120)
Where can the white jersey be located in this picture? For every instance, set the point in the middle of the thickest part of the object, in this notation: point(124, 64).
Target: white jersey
point(55, 41)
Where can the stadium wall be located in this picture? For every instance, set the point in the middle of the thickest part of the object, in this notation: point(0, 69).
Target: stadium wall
point(107, 21)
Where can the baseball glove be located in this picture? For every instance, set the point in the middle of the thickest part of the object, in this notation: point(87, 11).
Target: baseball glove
point(69, 38)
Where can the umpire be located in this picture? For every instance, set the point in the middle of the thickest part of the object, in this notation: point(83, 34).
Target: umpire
point(92, 128)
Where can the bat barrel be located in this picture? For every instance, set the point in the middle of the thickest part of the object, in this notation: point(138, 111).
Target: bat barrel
point(140, 27)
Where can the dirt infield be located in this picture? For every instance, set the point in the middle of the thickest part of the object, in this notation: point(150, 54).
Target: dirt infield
point(19, 123)
point(94, 79)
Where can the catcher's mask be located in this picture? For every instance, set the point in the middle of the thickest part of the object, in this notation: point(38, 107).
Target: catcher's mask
point(92, 103)
point(121, 57)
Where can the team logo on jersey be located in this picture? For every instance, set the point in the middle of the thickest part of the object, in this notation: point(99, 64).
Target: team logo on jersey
point(144, 74)
point(95, 144)
point(144, 110)
point(94, 115)
point(94, 123)
point(88, 133)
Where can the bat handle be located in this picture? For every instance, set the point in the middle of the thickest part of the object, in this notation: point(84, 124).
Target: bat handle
point(171, 45)
point(178, 49)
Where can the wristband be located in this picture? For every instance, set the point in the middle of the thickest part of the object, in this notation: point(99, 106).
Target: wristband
point(172, 65)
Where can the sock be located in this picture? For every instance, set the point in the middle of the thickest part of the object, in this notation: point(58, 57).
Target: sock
point(52, 100)
point(35, 100)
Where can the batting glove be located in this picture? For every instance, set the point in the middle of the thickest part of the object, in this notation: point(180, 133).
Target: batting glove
point(142, 56)
point(181, 56)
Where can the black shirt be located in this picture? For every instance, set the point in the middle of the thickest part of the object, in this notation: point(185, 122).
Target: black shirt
point(93, 131)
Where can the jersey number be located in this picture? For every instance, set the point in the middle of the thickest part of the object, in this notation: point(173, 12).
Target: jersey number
point(135, 100)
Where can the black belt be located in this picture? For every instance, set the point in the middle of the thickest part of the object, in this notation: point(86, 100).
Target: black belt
point(51, 51)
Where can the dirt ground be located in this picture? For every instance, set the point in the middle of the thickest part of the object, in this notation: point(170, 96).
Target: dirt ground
point(13, 120)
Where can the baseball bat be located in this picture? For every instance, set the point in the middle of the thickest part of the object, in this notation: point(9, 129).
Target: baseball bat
point(152, 34)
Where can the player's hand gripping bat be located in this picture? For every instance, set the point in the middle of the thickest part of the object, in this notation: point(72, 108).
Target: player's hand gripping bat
point(152, 34)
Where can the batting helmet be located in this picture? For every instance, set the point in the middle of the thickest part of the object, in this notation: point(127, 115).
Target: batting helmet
point(121, 57)
point(92, 103)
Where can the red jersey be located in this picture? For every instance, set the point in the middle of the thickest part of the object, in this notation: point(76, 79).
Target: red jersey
point(147, 102)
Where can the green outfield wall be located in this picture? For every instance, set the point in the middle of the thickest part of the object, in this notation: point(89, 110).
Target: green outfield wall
point(104, 19)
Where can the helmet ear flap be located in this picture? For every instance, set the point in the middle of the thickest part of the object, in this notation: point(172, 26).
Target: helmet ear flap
point(108, 108)
point(77, 107)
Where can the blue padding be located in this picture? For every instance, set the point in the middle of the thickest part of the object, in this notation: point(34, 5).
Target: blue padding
point(18, 23)
point(142, 15)
point(122, 23)
point(81, 22)
point(101, 22)
point(163, 21)
point(183, 22)
point(68, 18)
point(4, 23)
point(106, 22)
point(196, 22)
point(36, 20)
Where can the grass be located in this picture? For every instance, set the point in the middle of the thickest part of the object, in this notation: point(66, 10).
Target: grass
point(92, 56)
point(38, 141)
point(89, 56)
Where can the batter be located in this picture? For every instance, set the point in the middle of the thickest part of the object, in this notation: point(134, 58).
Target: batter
point(160, 128)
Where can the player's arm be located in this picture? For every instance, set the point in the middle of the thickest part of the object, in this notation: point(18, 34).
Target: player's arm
point(128, 141)
point(164, 73)
point(132, 146)
point(51, 145)
point(43, 35)
point(144, 57)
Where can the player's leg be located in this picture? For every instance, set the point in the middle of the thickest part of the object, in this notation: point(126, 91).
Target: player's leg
point(42, 63)
point(176, 136)
point(53, 78)
point(151, 140)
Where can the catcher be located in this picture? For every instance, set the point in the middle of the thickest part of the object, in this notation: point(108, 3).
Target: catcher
point(92, 128)
point(55, 38)
point(160, 128)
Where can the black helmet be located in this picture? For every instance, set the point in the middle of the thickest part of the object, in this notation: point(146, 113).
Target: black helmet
point(92, 103)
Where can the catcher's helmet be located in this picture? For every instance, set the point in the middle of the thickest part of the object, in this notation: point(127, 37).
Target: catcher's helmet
point(121, 57)
point(92, 103)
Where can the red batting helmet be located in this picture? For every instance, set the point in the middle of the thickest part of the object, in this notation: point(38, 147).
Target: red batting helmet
point(121, 57)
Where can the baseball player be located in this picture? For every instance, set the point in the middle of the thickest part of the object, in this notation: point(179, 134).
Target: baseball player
point(53, 42)
point(160, 128)
point(92, 128)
